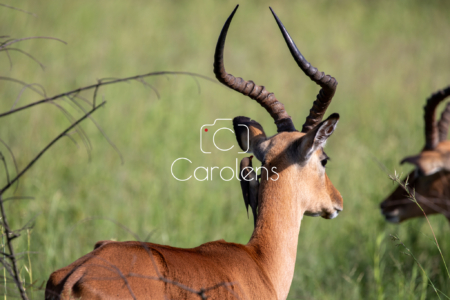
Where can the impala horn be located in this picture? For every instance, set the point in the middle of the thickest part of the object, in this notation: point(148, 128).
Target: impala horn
point(249, 88)
point(327, 83)
point(444, 123)
point(432, 135)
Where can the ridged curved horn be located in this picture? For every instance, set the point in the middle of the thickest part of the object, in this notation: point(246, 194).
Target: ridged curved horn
point(443, 123)
point(249, 88)
point(431, 130)
point(327, 83)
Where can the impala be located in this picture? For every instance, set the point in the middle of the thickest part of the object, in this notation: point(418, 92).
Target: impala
point(261, 269)
point(430, 180)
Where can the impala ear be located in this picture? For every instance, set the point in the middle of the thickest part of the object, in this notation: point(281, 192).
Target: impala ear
point(250, 135)
point(317, 137)
point(428, 162)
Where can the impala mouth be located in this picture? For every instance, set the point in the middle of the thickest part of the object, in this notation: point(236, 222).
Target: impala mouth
point(333, 214)
point(325, 214)
point(309, 214)
point(391, 216)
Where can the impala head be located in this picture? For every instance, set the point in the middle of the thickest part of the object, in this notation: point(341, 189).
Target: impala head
point(294, 162)
point(431, 177)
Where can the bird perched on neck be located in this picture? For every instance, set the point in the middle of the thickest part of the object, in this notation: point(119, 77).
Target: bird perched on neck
point(249, 186)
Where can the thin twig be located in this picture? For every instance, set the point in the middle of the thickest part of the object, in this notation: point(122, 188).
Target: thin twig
point(83, 135)
point(22, 83)
point(15, 8)
point(110, 142)
point(150, 86)
point(25, 53)
point(18, 198)
point(23, 89)
point(11, 256)
point(30, 38)
point(2, 158)
point(10, 235)
point(14, 160)
point(194, 75)
point(68, 135)
point(10, 60)
point(48, 146)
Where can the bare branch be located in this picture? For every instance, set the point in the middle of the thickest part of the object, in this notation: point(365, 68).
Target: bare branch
point(200, 293)
point(102, 83)
point(10, 235)
point(78, 129)
point(68, 135)
point(10, 60)
point(25, 53)
point(110, 142)
point(15, 8)
point(4, 45)
point(14, 270)
point(22, 83)
point(81, 98)
point(48, 146)
point(10, 260)
point(23, 89)
point(18, 198)
point(198, 85)
point(2, 158)
point(6, 265)
point(94, 98)
point(150, 86)
point(14, 160)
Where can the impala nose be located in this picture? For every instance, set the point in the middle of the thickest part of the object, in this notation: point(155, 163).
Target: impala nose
point(334, 214)
point(391, 216)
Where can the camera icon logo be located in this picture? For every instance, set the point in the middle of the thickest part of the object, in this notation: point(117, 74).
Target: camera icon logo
point(205, 129)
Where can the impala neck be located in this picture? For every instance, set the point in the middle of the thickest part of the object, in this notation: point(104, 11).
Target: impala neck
point(275, 237)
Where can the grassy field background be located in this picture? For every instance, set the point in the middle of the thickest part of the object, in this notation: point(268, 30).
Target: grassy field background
point(387, 56)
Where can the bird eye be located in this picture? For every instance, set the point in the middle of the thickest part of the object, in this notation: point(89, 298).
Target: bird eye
point(324, 162)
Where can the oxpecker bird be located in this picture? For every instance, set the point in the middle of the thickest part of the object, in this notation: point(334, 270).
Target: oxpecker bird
point(249, 185)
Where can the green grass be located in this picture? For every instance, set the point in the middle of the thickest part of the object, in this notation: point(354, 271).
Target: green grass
point(387, 56)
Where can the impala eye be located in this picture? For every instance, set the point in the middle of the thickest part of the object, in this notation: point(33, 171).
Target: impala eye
point(324, 162)
point(418, 173)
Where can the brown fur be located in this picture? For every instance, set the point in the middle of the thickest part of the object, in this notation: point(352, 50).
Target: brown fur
point(116, 268)
point(431, 182)
point(262, 269)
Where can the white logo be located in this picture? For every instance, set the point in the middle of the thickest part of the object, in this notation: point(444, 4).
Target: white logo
point(225, 173)
point(206, 128)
